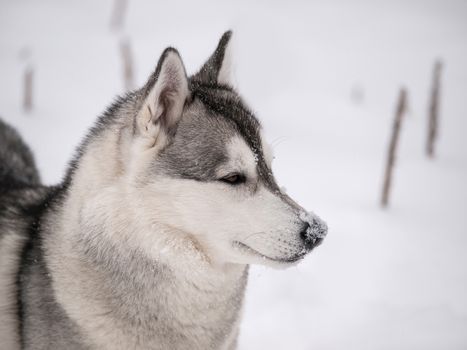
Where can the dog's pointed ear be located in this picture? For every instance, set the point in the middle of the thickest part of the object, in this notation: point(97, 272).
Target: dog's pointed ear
point(217, 68)
point(165, 95)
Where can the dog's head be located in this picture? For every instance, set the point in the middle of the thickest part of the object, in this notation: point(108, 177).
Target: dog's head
point(201, 166)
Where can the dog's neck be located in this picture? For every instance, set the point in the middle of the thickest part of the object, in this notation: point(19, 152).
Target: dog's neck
point(121, 298)
point(164, 293)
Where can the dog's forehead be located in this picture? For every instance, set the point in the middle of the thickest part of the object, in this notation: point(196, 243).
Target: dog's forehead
point(226, 104)
point(215, 117)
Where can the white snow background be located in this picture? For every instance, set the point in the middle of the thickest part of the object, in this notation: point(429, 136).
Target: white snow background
point(383, 279)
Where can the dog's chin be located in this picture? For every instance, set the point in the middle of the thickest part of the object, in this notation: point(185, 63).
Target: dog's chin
point(252, 256)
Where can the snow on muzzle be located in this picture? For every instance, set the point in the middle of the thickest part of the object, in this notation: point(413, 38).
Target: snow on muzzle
point(314, 231)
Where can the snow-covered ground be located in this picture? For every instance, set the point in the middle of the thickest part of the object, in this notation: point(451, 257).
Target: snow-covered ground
point(383, 279)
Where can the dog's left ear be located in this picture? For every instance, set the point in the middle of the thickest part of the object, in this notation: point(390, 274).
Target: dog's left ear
point(165, 94)
point(217, 68)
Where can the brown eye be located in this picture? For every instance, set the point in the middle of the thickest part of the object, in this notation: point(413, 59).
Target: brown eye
point(234, 179)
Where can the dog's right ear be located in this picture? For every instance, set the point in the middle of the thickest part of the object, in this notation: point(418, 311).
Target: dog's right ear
point(165, 94)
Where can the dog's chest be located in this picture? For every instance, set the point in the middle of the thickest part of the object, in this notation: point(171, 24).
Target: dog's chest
point(174, 315)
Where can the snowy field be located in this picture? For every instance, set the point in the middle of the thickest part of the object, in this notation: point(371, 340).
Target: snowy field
point(383, 279)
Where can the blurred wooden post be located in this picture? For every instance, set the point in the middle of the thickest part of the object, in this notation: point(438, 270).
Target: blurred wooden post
point(400, 111)
point(433, 118)
point(127, 60)
point(118, 14)
point(357, 94)
point(28, 88)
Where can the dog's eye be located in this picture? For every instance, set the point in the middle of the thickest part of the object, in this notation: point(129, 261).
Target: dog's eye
point(234, 179)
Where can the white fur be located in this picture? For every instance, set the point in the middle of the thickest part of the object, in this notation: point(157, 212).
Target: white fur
point(10, 248)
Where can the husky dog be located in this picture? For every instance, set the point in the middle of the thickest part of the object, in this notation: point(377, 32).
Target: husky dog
point(146, 243)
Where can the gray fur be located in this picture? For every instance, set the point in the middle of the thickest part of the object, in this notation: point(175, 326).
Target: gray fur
point(17, 166)
point(198, 147)
point(209, 72)
point(80, 270)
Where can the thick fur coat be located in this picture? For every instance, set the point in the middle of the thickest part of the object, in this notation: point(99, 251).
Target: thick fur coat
point(146, 243)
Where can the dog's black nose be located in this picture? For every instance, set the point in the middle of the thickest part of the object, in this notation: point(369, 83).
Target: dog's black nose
point(310, 240)
point(313, 233)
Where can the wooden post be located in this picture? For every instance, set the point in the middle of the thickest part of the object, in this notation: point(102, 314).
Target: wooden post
point(127, 60)
point(118, 14)
point(433, 118)
point(28, 88)
point(400, 111)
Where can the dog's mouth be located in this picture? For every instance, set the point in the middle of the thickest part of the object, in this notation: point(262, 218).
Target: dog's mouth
point(253, 252)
